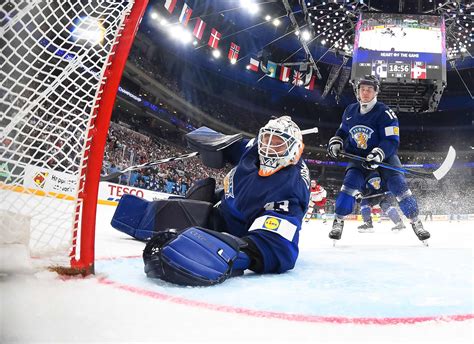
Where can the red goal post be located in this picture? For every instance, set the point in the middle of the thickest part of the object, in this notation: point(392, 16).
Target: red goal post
point(61, 67)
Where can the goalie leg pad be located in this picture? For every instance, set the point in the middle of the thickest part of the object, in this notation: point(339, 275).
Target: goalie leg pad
point(194, 256)
point(141, 219)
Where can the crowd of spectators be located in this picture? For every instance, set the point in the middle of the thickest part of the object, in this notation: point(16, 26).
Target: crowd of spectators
point(126, 147)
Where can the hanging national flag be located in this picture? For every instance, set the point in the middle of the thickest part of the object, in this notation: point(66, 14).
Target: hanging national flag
point(185, 14)
point(297, 78)
point(285, 74)
point(233, 52)
point(170, 4)
point(199, 28)
point(214, 38)
point(271, 69)
point(310, 85)
point(307, 74)
point(254, 65)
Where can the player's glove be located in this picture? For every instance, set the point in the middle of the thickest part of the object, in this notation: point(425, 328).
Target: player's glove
point(194, 256)
point(375, 156)
point(334, 146)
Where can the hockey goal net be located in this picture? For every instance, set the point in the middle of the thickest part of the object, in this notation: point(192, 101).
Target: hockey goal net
point(61, 63)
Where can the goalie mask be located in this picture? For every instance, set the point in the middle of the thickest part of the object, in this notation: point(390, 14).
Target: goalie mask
point(280, 144)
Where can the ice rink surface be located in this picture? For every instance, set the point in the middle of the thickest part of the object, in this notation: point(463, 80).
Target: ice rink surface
point(380, 287)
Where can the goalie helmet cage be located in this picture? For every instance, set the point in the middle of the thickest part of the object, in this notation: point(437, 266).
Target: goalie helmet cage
point(61, 64)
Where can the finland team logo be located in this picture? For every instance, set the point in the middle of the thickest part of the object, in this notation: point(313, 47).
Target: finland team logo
point(361, 135)
point(375, 182)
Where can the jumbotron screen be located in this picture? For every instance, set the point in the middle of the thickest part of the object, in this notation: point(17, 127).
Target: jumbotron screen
point(399, 47)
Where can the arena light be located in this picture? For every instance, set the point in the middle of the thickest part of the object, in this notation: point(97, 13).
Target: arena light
point(250, 6)
point(306, 35)
point(216, 53)
point(154, 15)
point(276, 22)
point(268, 17)
point(88, 29)
point(180, 34)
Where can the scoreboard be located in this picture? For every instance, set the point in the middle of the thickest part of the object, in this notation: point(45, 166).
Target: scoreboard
point(396, 47)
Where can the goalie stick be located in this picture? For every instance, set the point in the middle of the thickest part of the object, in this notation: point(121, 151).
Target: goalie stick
point(438, 174)
point(146, 165)
point(176, 158)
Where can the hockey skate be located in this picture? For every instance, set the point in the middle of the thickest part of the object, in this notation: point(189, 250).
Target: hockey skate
point(420, 232)
point(367, 227)
point(336, 231)
point(398, 227)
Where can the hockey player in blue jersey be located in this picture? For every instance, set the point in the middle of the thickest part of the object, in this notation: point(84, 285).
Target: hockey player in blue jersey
point(376, 193)
point(369, 128)
point(256, 223)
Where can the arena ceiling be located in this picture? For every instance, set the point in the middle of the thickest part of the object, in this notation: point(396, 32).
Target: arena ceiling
point(297, 31)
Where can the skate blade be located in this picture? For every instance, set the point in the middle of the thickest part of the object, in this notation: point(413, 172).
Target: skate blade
point(334, 242)
point(425, 242)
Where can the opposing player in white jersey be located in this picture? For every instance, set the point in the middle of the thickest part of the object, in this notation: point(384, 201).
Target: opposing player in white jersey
point(317, 199)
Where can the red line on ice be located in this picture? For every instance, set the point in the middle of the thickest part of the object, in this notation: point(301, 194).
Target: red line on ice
point(283, 316)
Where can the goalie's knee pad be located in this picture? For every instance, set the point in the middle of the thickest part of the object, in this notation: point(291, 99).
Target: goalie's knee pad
point(194, 256)
point(141, 219)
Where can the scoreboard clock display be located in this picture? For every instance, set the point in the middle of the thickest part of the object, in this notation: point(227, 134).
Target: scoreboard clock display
point(399, 46)
point(399, 70)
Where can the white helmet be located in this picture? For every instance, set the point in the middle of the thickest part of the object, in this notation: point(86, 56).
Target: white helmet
point(280, 144)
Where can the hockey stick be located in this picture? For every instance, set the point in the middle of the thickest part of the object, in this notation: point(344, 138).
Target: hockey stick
point(147, 164)
point(438, 174)
point(373, 196)
point(176, 158)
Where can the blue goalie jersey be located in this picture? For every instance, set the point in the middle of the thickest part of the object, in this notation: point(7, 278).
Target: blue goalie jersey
point(268, 210)
point(377, 128)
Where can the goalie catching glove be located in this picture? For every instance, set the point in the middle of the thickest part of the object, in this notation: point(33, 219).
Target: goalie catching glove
point(195, 256)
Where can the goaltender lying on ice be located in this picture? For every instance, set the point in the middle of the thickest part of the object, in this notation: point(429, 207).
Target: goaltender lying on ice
point(253, 223)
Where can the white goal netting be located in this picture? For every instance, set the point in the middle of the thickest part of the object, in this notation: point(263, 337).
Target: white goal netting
point(54, 57)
